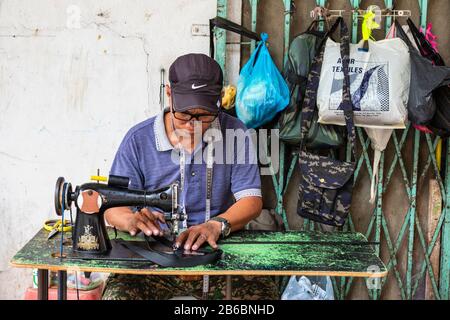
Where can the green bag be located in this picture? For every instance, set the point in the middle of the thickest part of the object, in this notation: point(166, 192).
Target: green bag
point(300, 55)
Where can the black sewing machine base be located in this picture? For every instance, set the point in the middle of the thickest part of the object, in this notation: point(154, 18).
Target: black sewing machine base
point(117, 253)
point(156, 251)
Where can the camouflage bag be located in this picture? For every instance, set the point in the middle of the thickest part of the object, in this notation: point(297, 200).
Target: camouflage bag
point(326, 184)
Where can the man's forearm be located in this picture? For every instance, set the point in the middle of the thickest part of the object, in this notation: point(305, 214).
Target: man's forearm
point(119, 217)
point(244, 210)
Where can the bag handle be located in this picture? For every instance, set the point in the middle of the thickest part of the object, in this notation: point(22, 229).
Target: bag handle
point(402, 35)
point(330, 31)
point(259, 48)
point(310, 101)
point(415, 33)
point(223, 23)
point(312, 29)
point(425, 47)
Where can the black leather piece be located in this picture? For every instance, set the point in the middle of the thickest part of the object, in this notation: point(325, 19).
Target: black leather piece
point(175, 259)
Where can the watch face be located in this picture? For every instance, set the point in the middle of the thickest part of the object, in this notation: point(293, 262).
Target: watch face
point(226, 229)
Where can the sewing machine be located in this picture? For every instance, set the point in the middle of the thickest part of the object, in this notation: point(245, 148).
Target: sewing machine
point(94, 198)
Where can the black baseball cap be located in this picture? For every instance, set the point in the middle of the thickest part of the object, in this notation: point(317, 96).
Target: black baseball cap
point(196, 81)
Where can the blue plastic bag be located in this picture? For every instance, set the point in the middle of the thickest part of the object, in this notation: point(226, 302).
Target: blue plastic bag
point(261, 90)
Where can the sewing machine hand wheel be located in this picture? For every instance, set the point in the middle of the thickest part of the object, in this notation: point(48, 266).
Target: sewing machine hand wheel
point(62, 191)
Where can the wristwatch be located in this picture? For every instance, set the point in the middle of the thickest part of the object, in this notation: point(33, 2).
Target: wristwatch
point(226, 226)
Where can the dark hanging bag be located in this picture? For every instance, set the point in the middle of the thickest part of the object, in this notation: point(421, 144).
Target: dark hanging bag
point(326, 184)
point(425, 78)
point(301, 53)
point(440, 123)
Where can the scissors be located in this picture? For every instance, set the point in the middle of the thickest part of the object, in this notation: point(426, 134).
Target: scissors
point(55, 226)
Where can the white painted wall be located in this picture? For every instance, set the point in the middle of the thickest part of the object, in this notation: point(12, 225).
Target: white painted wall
point(68, 95)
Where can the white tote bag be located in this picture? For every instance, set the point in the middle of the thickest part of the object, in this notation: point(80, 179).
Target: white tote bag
point(379, 84)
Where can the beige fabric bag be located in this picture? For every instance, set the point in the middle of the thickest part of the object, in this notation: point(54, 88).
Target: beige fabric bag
point(379, 84)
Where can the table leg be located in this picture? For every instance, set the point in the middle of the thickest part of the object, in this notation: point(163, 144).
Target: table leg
point(42, 284)
point(228, 287)
point(62, 285)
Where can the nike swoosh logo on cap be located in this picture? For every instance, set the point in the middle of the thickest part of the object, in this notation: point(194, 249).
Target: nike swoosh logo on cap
point(198, 87)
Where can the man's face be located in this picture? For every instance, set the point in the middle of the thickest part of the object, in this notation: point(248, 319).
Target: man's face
point(188, 120)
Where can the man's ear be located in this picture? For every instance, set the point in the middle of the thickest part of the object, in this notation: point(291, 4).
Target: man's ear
point(169, 95)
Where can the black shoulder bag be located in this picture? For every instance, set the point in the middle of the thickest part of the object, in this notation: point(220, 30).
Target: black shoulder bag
point(440, 123)
point(425, 79)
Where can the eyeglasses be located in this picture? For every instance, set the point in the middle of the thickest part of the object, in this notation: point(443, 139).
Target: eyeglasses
point(203, 117)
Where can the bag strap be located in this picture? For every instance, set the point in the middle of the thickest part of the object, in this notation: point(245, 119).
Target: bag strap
point(329, 32)
point(425, 47)
point(347, 104)
point(310, 101)
point(402, 35)
point(223, 23)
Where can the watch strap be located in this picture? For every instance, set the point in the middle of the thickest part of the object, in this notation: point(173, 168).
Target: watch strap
point(225, 225)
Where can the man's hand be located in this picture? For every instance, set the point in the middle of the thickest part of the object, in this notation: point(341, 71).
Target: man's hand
point(147, 222)
point(195, 236)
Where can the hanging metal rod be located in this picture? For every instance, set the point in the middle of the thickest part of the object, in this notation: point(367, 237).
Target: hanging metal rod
point(321, 12)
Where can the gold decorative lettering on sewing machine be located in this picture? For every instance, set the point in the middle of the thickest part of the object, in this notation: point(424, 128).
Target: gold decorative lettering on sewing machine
point(87, 241)
point(93, 199)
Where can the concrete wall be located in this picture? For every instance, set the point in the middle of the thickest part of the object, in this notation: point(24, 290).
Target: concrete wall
point(74, 77)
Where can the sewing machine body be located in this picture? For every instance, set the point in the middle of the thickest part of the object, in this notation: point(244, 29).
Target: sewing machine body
point(93, 199)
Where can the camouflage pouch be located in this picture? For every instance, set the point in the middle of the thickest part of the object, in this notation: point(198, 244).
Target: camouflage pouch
point(325, 190)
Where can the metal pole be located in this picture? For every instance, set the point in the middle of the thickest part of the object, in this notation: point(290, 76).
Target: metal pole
point(444, 279)
point(42, 284)
point(287, 28)
point(355, 6)
point(229, 287)
point(254, 6)
point(221, 37)
point(62, 285)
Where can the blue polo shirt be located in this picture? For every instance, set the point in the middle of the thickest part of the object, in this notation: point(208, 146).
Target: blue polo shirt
point(146, 156)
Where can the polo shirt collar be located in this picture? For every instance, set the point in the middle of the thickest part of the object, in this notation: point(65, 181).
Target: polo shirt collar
point(161, 139)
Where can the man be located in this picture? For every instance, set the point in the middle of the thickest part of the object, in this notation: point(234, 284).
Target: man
point(167, 148)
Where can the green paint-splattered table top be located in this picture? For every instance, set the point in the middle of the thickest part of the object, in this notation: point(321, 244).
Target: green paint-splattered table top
point(294, 253)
